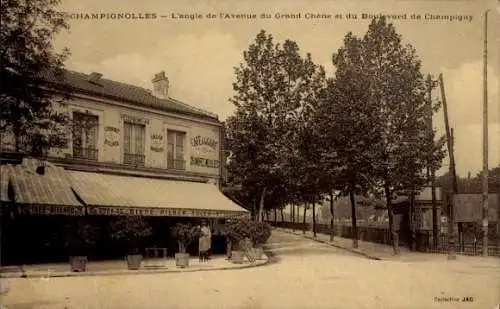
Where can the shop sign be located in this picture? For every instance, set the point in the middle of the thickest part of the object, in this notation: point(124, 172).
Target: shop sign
point(203, 145)
point(111, 136)
point(156, 212)
point(134, 120)
point(52, 210)
point(202, 162)
point(157, 142)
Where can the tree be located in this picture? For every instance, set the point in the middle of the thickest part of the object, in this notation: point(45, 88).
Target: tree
point(347, 122)
point(306, 175)
point(272, 85)
point(27, 57)
point(396, 93)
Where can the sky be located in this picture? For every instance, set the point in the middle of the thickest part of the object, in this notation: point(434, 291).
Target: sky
point(199, 53)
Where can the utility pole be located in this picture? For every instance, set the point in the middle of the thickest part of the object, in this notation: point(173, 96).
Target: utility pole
point(451, 211)
point(430, 171)
point(485, 136)
point(498, 210)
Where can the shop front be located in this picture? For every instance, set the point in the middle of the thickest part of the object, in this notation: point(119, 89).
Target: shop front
point(37, 209)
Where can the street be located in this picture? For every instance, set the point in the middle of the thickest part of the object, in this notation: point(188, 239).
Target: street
point(302, 274)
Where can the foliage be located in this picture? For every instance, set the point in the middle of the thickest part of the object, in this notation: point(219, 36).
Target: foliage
point(130, 229)
point(259, 232)
point(80, 236)
point(387, 138)
point(237, 231)
point(29, 111)
point(272, 85)
point(472, 185)
point(185, 234)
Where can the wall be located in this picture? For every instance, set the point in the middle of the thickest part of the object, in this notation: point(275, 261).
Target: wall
point(202, 142)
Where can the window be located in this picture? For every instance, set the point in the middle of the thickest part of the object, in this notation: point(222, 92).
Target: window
point(134, 144)
point(175, 149)
point(85, 130)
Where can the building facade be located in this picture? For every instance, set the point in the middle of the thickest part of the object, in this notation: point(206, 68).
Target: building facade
point(117, 126)
point(128, 151)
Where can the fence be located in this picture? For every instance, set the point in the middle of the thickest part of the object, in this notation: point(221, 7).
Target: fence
point(466, 243)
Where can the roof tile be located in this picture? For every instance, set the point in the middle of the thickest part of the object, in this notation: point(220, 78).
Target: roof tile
point(80, 82)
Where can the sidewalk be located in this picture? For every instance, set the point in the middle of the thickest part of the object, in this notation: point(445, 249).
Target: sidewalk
point(119, 267)
point(376, 251)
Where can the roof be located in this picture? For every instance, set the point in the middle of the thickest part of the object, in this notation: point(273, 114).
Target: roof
point(106, 88)
point(30, 188)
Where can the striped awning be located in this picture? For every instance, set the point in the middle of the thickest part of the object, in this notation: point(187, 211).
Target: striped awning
point(50, 193)
point(106, 194)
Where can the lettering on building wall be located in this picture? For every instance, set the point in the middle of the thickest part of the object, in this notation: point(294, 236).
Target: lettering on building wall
point(134, 120)
point(204, 144)
point(128, 211)
point(111, 136)
point(157, 142)
point(202, 162)
point(52, 210)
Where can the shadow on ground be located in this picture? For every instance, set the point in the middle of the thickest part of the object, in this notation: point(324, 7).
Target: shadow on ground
point(34, 304)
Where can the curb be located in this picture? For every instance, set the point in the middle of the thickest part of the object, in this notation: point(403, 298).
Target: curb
point(357, 252)
point(263, 262)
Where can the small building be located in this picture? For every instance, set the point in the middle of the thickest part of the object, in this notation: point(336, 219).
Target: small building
point(129, 151)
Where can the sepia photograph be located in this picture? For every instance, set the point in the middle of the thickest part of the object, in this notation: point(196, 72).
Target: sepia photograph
point(323, 154)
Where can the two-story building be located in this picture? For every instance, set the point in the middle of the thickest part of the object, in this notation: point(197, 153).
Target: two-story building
point(129, 150)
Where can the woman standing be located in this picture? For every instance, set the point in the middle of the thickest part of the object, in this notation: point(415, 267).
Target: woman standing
point(205, 241)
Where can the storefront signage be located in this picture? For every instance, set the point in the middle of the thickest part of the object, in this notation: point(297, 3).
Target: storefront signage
point(52, 210)
point(155, 212)
point(199, 140)
point(111, 136)
point(135, 120)
point(203, 145)
point(202, 162)
point(157, 142)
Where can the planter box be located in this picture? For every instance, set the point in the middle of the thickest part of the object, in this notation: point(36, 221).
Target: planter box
point(258, 253)
point(237, 257)
point(78, 263)
point(182, 260)
point(134, 261)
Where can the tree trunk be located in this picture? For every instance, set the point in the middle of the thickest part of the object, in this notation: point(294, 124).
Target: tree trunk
point(332, 226)
point(282, 215)
point(275, 216)
point(392, 227)
point(413, 241)
point(314, 217)
point(304, 220)
point(261, 204)
point(353, 218)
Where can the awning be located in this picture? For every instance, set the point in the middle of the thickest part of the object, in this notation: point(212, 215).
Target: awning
point(49, 194)
point(106, 194)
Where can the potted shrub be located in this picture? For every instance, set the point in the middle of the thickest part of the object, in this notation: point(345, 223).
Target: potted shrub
point(80, 236)
point(131, 229)
point(237, 233)
point(259, 234)
point(185, 234)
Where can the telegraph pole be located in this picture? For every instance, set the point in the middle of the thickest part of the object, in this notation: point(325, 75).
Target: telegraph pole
point(485, 136)
point(431, 173)
point(451, 211)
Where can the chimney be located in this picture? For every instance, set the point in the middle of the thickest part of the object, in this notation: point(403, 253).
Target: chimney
point(160, 85)
point(94, 77)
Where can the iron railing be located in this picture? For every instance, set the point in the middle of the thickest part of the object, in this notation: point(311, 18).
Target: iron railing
point(133, 159)
point(176, 164)
point(466, 244)
point(90, 154)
